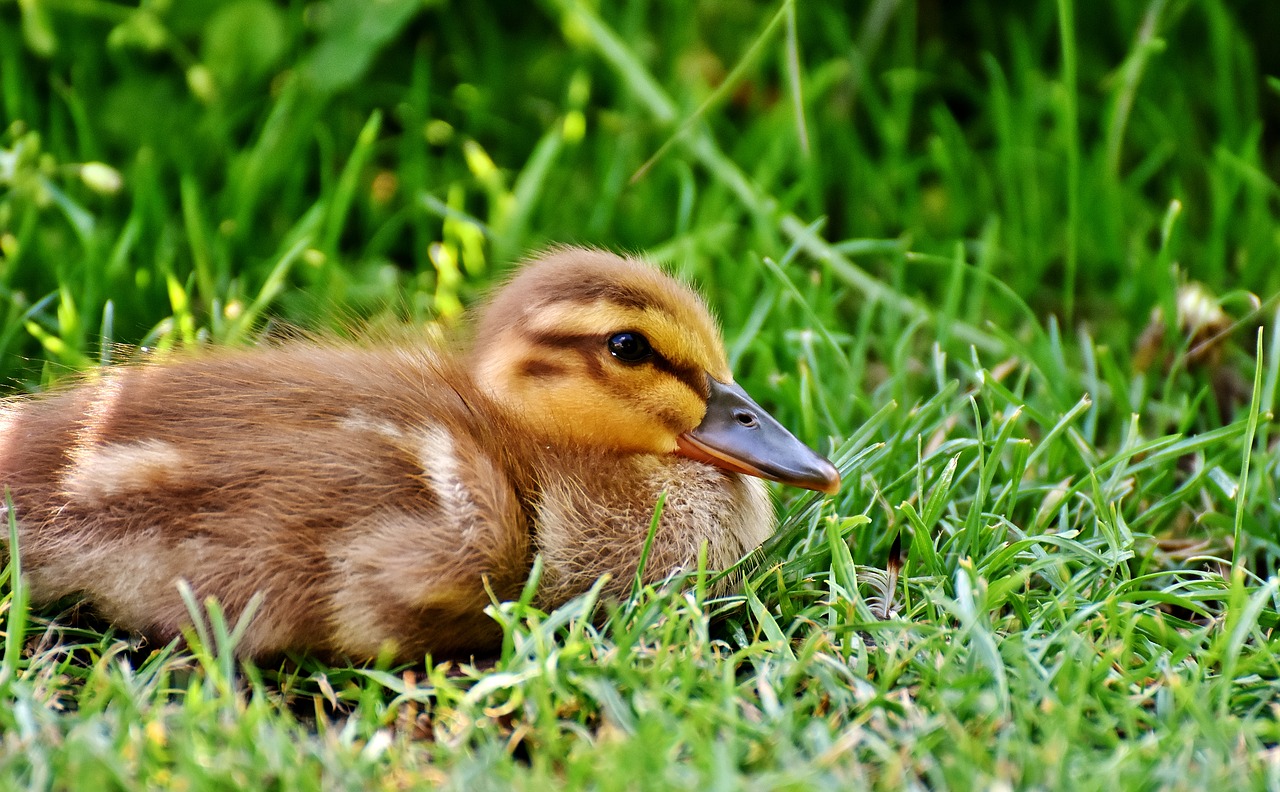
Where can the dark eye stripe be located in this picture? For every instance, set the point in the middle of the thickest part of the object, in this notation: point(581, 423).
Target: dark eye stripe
point(540, 368)
point(591, 344)
point(690, 376)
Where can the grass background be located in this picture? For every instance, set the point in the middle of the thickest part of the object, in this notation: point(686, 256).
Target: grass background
point(941, 238)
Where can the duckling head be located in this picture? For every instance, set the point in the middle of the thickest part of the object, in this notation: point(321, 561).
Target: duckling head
point(588, 348)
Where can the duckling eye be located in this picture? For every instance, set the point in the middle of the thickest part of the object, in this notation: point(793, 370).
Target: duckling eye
point(630, 347)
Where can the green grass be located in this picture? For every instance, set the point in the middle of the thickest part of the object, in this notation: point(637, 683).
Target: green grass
point(936, 234)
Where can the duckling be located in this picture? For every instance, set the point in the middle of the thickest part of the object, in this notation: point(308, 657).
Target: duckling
point(374, 494)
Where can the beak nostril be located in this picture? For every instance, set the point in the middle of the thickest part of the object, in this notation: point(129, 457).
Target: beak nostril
point(745, 418)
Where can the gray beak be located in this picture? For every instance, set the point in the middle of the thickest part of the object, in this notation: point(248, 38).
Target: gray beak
point(737, 434)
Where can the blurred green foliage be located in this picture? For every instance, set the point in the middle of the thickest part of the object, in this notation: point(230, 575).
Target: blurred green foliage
point(497, 128)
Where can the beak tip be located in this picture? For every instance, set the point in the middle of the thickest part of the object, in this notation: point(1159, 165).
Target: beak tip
point(829, 483)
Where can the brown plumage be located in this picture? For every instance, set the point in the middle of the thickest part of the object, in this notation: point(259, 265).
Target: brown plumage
point(369, 492)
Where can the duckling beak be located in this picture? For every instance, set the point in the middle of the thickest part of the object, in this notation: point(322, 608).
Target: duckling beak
point(737, 434)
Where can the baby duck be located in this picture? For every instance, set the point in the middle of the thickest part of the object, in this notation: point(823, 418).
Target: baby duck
point(370, 493)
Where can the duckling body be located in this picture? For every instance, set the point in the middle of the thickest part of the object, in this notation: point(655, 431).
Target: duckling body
point(369, 493)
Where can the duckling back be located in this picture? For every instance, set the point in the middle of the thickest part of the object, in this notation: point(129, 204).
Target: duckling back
point(361, 492)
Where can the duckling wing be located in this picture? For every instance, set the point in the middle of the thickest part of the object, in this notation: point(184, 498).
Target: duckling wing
point(356, 490)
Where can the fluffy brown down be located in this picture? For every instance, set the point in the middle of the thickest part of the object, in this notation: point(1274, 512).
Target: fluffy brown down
point(369, 492)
